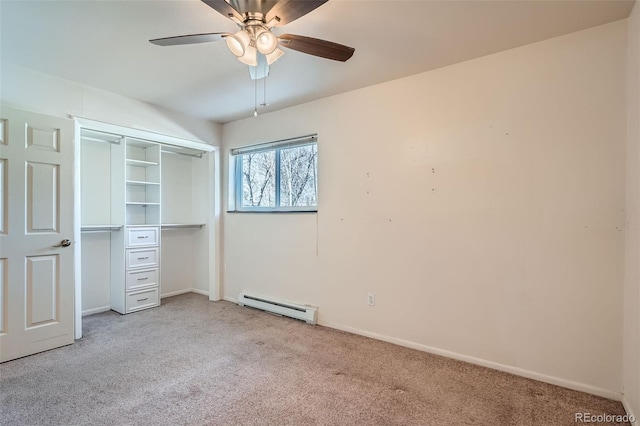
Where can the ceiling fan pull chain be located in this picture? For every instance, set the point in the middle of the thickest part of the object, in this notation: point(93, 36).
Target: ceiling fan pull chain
point(264, 95)
point(255, 103)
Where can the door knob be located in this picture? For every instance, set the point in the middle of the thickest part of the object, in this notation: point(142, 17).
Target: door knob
point(64, 243)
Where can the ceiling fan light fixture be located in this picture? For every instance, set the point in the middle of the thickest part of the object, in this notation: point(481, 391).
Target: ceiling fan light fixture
point(250, 56)
point(266, 42)
point(274, 56)
point(238, 42)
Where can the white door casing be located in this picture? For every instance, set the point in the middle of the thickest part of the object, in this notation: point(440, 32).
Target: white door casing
point(36, 216)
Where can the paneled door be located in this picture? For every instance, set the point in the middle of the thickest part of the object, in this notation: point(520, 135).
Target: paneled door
point(36, 233)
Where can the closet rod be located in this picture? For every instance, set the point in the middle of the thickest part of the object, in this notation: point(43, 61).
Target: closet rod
point(172, 226)
point(181, 153)
point(100, 228)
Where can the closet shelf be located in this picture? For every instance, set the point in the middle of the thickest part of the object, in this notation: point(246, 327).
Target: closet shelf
point(141, 163)
point(100, 228)
point(141, 183)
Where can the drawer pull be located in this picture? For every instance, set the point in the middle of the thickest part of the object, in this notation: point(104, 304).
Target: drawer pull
point(146, 236)
point(142, 300)
point(143, 258)
point(142, 279)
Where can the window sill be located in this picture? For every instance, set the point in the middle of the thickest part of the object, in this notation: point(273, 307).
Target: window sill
point(272, 211)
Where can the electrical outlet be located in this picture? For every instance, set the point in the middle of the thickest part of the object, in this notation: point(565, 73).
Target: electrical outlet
point(371, 299)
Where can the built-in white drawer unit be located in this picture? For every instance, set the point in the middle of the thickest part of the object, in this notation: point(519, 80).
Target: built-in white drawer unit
point(140, 237)
point(142, 258)
point(142, 299)
point(137, 279)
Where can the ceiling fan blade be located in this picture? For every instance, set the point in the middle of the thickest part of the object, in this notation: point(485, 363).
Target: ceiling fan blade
point(317, 47)
point(223, 8)
point(290, 10)
point(259, 6)
point(188, 39)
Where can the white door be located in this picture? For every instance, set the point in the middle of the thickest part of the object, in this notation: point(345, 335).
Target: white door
point(36, 224)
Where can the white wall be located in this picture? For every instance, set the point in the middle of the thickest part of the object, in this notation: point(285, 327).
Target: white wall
point(31, 90)
point(631, 361)
point(482, 203)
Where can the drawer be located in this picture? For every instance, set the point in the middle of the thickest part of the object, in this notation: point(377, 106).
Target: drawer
point(142, 258)
point(139, 237)
point(137, 280)
point(143, 299)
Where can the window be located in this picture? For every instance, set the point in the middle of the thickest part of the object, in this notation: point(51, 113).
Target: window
point(276, 176)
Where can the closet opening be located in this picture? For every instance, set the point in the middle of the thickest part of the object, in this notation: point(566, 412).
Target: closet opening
point(145, 218)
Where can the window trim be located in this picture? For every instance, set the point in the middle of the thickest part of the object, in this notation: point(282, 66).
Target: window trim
point(235, 175)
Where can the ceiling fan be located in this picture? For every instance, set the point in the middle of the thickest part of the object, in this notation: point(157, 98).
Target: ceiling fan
point(255, 45)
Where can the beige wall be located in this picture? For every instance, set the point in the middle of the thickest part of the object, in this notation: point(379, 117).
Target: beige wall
point(631, 362)
point(482, 203)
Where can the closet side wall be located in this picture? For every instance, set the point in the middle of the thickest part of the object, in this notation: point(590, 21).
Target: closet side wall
point(185, 202)
point(95, 190)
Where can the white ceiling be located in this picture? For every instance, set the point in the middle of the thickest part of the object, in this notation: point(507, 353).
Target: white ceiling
point(104, 44)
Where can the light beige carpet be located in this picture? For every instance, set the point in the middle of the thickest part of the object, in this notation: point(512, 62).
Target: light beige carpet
point(195, 362)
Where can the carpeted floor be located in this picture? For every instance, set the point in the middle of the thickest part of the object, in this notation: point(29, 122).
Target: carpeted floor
point(194, 362)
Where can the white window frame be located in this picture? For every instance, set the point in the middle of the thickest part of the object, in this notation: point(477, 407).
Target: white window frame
point(235, 175)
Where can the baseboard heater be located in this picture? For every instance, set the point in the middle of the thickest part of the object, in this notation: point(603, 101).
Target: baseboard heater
point(302, 312)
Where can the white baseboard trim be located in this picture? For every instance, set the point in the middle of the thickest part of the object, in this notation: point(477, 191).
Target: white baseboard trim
point(582, 387)
point(230, 299)
point(175, 293)
point(96, 310)
point(630, 412)
point(183, 291)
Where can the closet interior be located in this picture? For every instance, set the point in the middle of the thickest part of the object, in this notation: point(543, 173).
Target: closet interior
point(146, 217)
